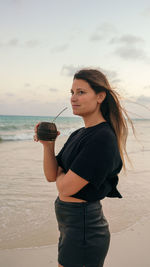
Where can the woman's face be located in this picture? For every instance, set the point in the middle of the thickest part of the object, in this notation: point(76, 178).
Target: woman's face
point(84, 100)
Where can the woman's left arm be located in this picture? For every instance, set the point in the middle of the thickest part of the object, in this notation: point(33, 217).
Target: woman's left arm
point(70, 183)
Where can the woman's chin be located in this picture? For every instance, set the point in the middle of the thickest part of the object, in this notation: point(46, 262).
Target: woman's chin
point(76, 112)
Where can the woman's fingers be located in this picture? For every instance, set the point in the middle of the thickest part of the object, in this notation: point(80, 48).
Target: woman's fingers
point(35, 138)
point(36, 126)
point(58, 133)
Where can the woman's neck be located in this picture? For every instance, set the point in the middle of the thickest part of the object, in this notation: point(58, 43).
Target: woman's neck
point(90, 121)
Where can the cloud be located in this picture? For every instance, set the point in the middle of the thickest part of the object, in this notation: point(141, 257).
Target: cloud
point(16, 1)
point(129, 47)
point(146, 12)
point(116, 81)
point(130, 53)
point(27, 106)
point(75, 32)
point(53, 89)
point(27, 84)
point(96, 37)
point(60, 48)
point(112, 75)
point(147, 87)
point(69, 70)
point(104, 31)
point(127, 39)
point(12, 43)
point(9, 94)
point(143, 99)
point(138, 107)
point(32, 43)
point(46, 87)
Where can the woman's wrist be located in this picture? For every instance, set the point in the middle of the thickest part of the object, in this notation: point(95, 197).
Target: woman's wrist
point(50, 145)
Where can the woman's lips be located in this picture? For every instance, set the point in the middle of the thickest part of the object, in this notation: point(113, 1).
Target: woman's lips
point(75, 106)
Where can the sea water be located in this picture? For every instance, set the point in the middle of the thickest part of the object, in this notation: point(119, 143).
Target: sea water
point(17, 128)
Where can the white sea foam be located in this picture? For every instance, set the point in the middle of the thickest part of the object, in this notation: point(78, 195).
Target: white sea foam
point(19, 128)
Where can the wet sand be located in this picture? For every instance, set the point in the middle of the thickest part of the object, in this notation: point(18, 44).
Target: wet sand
point(129, 248)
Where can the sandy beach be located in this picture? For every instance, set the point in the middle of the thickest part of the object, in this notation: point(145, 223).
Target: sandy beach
point(129, 248)
point(29, 234)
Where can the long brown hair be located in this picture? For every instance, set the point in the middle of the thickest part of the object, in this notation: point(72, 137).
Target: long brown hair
point(111, 107)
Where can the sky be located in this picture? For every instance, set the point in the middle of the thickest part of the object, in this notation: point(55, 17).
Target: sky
point(44, 42)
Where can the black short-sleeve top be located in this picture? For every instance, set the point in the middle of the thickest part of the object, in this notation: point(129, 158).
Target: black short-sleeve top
point(93, 154)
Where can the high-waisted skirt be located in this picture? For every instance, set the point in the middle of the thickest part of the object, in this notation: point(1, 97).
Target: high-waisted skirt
point(84, 233)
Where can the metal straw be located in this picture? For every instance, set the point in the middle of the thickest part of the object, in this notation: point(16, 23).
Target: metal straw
point(59, 114)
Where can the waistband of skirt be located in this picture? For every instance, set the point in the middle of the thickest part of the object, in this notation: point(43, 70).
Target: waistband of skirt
point(78, 204)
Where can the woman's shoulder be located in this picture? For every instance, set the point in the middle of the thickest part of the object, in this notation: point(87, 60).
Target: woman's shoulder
point(101, 140)
point(74, 133)
point(98, 135)
point(102, 132)
point(106, 131)
point(104, 141)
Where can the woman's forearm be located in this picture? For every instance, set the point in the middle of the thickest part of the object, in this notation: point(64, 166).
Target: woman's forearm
point(50, 165)
point(59, 181)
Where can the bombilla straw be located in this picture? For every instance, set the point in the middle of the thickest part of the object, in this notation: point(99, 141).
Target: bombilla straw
point(59, 114)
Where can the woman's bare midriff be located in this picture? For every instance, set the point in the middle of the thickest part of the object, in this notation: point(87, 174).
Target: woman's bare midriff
point(70, 199)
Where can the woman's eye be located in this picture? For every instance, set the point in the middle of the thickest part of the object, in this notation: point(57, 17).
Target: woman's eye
point(78, 93)
point(81, 92)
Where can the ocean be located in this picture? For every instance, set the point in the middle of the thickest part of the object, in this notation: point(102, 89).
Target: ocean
point(27, 215)
point(19, 128)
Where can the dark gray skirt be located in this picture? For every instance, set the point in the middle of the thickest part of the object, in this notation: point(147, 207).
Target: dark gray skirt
point(84, 233)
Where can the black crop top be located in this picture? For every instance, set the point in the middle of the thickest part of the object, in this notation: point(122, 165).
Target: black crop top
point(93, 154)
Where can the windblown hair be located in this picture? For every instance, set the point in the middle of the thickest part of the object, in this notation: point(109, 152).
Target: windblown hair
point(111, 108)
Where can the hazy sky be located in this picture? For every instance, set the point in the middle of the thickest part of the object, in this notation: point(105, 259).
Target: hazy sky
point(43, 42)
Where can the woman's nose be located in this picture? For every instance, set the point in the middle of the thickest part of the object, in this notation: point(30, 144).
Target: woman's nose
point(74, 97)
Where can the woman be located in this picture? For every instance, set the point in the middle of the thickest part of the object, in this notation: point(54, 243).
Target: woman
point(86, 169)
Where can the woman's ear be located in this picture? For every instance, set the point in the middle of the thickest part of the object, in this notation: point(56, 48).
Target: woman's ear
point(100, 97)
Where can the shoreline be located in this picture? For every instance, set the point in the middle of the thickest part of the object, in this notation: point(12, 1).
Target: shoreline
point(130, 247)
point(131, 227)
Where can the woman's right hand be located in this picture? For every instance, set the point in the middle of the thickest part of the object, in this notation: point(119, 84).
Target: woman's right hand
point(35, 137)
